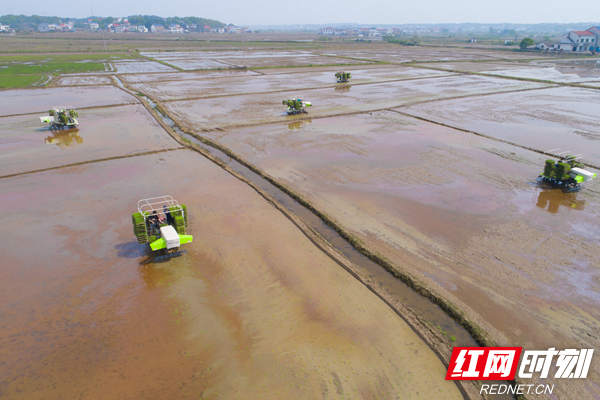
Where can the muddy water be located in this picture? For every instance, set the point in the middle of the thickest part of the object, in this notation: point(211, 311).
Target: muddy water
point(225, 59)
point(555, 74)
point(182, 89)
point(557, 118)
point(84, 80)
point(252, 310)
point(26, 144)
point(479, 66)
point(13, 102)
point(415, 54)
point(402, 56)
point(143, 78)
point(464, 214)
point(266, 107)
point(136, 67)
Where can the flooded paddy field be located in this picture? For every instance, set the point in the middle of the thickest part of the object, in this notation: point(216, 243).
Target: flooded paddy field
point(196, 75)
point(415, 54)
point(230, 85)
point(26, 144)
point(403, 55)
point(232, 59)
point(267, 107)
point(565, 118)
point(137, 67)
point(252, 310)
point(15, 102)
point(558, 72)
point(83, 80)
point(464, 214)
point(579, 71)
point(467, 66)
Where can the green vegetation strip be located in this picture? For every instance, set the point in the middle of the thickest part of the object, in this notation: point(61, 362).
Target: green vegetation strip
point(17, 81)
point(27, 70)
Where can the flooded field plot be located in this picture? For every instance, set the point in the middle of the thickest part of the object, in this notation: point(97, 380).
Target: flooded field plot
point(14, 102)
point(415, 54)
point(232, 59)
point(28, 145)
point(480, 66)
point(183, 89)
point(137, 67)
point(253, 310)
point(463, 213)
point(80, 80)
point(554, 73)
point(176, 76)
point(262, 108)
point(403, 55)
point(564, 118)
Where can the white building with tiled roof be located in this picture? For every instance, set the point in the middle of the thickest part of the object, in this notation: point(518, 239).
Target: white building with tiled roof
point(577, 41)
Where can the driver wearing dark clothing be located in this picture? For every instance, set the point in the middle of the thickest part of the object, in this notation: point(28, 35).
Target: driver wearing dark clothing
point(154, 220)
point(170, 220)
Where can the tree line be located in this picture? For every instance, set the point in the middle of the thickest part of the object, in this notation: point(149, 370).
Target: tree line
point(22, 21)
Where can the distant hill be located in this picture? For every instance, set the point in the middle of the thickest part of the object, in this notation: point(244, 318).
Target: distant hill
point(25, 21)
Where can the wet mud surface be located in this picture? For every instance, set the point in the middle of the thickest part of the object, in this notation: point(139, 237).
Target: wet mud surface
point(233, 59)
point(136, 67)
point(557, 118)
point(560, 72)
point(414, 54)
point(13, 102)
point(263, 108)
point(80, 80)
point(463, 213)
point(197, 75)
point(26, 144)
point(183, 89)
point(253, 309)
point(480, 66)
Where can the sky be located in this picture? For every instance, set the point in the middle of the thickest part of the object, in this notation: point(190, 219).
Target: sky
point(284, 12)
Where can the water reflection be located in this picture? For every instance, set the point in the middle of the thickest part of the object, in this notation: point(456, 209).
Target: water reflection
point(552, 199)
point(298, 124)
point(342, 89)
point(64, 139)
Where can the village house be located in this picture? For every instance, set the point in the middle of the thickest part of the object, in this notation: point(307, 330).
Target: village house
point(157, 29)
point(577, 41)
point(174, 28)
point(326, 31)
point(4, 28)
point(596, 31)
point(544, 45)
point(94, 26)
point(207, 29)
point(142, 28)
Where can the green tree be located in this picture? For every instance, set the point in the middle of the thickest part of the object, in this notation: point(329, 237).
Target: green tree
point(525, 43)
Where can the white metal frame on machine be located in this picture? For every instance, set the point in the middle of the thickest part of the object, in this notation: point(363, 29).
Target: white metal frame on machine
point(147, 205)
